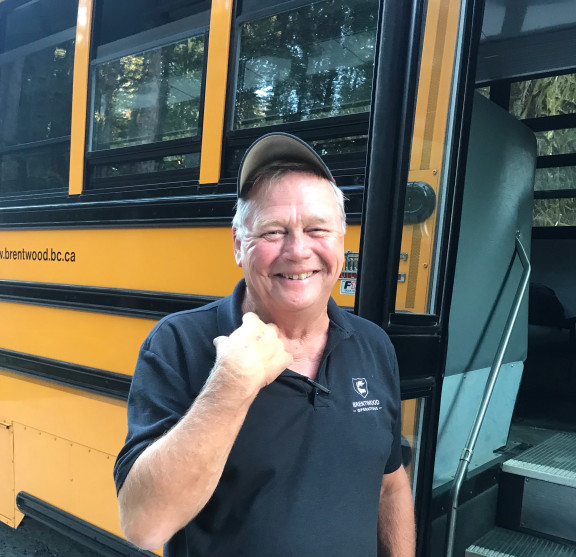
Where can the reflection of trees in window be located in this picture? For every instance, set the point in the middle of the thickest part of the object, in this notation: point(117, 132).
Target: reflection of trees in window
point(35, 119)
point(149, 97)
point(538, 98)
point(314, 62)
point(549, 96)
point(556, 178)
point(555, 212)
point(36, 96)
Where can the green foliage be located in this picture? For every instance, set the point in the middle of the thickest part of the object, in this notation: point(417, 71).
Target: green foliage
point(555, 212)
point(312, 62)
point(538, 98)
point(149, 96)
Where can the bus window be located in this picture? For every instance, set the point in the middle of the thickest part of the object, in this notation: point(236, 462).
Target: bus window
point(36, 69)
point(312, 62)
point(147, 91)
point(547, 106)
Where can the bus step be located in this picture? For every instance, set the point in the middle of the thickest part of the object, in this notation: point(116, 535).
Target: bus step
point(551, 461)
point(500, 542)
point(538, 490)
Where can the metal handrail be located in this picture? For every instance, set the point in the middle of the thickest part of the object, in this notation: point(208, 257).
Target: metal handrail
point(488, 390)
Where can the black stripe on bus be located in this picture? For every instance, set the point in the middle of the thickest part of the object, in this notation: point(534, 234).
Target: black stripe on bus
point(107, 383)
point(102, 542)
point(116, 301)
point(109, 211)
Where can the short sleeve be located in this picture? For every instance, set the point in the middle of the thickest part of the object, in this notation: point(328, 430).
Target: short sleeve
point(395, 459)
point(163, 388)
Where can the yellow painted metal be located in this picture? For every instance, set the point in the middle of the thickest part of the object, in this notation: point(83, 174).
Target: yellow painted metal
point(73, 477)
point(183, 260)
point(74, 436)
point(7, 495)
point(215, 96)
point(102, 341)
point(80, 96)
point(186, 260)
point(80, 417)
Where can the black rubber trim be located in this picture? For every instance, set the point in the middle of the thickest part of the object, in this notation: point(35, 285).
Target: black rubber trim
point(101, 541)
point(477, 482)
point(554, 232)
point(115, 210)
point(417, 388)
point(117, 301)
point(101, 382)
point(546, 123)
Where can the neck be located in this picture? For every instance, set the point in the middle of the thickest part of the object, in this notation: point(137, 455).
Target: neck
point(299, 325)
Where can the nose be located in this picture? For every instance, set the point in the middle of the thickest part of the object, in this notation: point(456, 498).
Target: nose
point(297, 246)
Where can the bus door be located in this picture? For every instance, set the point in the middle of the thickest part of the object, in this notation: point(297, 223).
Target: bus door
point(410, 222)
point(497, 444)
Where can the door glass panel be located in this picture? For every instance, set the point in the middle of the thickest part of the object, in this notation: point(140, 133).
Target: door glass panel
point(412, 421)
point(418, 264)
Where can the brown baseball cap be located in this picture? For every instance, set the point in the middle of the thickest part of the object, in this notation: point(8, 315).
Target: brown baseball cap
point(277, 146)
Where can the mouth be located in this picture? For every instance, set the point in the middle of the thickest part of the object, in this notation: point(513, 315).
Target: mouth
point(300, 276)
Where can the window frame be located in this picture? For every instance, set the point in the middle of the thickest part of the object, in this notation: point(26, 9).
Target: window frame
point(197, 25)
point(348, 169)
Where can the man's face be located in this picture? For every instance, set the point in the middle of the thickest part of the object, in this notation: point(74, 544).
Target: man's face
point(293, 249)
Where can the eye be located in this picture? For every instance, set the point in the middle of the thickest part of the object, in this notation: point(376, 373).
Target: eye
point(317, 230)
point(272, 234)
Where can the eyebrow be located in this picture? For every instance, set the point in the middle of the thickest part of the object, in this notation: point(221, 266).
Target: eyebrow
point(314, 219)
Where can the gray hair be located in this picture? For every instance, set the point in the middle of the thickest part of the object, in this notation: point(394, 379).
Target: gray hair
point(271, 174)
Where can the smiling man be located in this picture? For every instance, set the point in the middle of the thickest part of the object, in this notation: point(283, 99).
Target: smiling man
point(268, 423)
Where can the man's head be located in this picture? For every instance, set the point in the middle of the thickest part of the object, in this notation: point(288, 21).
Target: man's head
point(288, 228)
point(270, 174)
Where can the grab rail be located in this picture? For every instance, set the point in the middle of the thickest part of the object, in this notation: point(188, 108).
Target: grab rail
point(488, 390)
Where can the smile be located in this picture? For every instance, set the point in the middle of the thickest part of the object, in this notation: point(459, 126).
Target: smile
point(301, 276)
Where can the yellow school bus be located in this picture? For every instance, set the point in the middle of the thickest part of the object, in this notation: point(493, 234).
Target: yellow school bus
point(122, 126)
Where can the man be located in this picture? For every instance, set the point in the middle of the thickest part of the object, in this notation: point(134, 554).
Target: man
point(268, 423)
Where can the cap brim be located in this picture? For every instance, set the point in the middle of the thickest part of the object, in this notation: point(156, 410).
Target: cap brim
point(277, 146)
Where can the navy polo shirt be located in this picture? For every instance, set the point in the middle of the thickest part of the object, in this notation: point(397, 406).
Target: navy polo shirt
point(303, 477)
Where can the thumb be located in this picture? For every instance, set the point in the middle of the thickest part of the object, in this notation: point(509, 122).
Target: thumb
point(218, 340)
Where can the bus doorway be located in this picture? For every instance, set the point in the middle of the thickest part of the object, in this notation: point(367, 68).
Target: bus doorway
point(517, 498)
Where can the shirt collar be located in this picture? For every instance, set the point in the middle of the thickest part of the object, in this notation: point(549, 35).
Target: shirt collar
point(230, 313)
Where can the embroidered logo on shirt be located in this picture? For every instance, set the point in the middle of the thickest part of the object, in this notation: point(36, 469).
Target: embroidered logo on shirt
point(360, 386)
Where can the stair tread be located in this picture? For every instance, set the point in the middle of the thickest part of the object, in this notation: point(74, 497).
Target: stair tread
point(500, 542)
point(553, 460)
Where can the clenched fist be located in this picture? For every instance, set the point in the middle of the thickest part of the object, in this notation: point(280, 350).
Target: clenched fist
point(252, 356)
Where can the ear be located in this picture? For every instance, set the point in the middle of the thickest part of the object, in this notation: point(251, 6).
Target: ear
point(237, 247)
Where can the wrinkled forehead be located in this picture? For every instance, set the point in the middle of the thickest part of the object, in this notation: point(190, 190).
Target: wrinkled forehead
point(297, 190)
point(264, 187)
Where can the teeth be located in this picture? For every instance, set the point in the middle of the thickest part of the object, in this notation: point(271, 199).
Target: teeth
point(301, 276)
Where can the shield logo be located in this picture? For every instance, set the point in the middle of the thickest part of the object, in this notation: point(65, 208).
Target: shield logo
point(360, 386)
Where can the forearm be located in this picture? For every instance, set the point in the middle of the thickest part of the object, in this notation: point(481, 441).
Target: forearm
point(396, 531)
point(176, 476)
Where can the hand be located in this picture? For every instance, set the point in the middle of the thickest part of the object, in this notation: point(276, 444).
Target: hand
point(253, 355)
